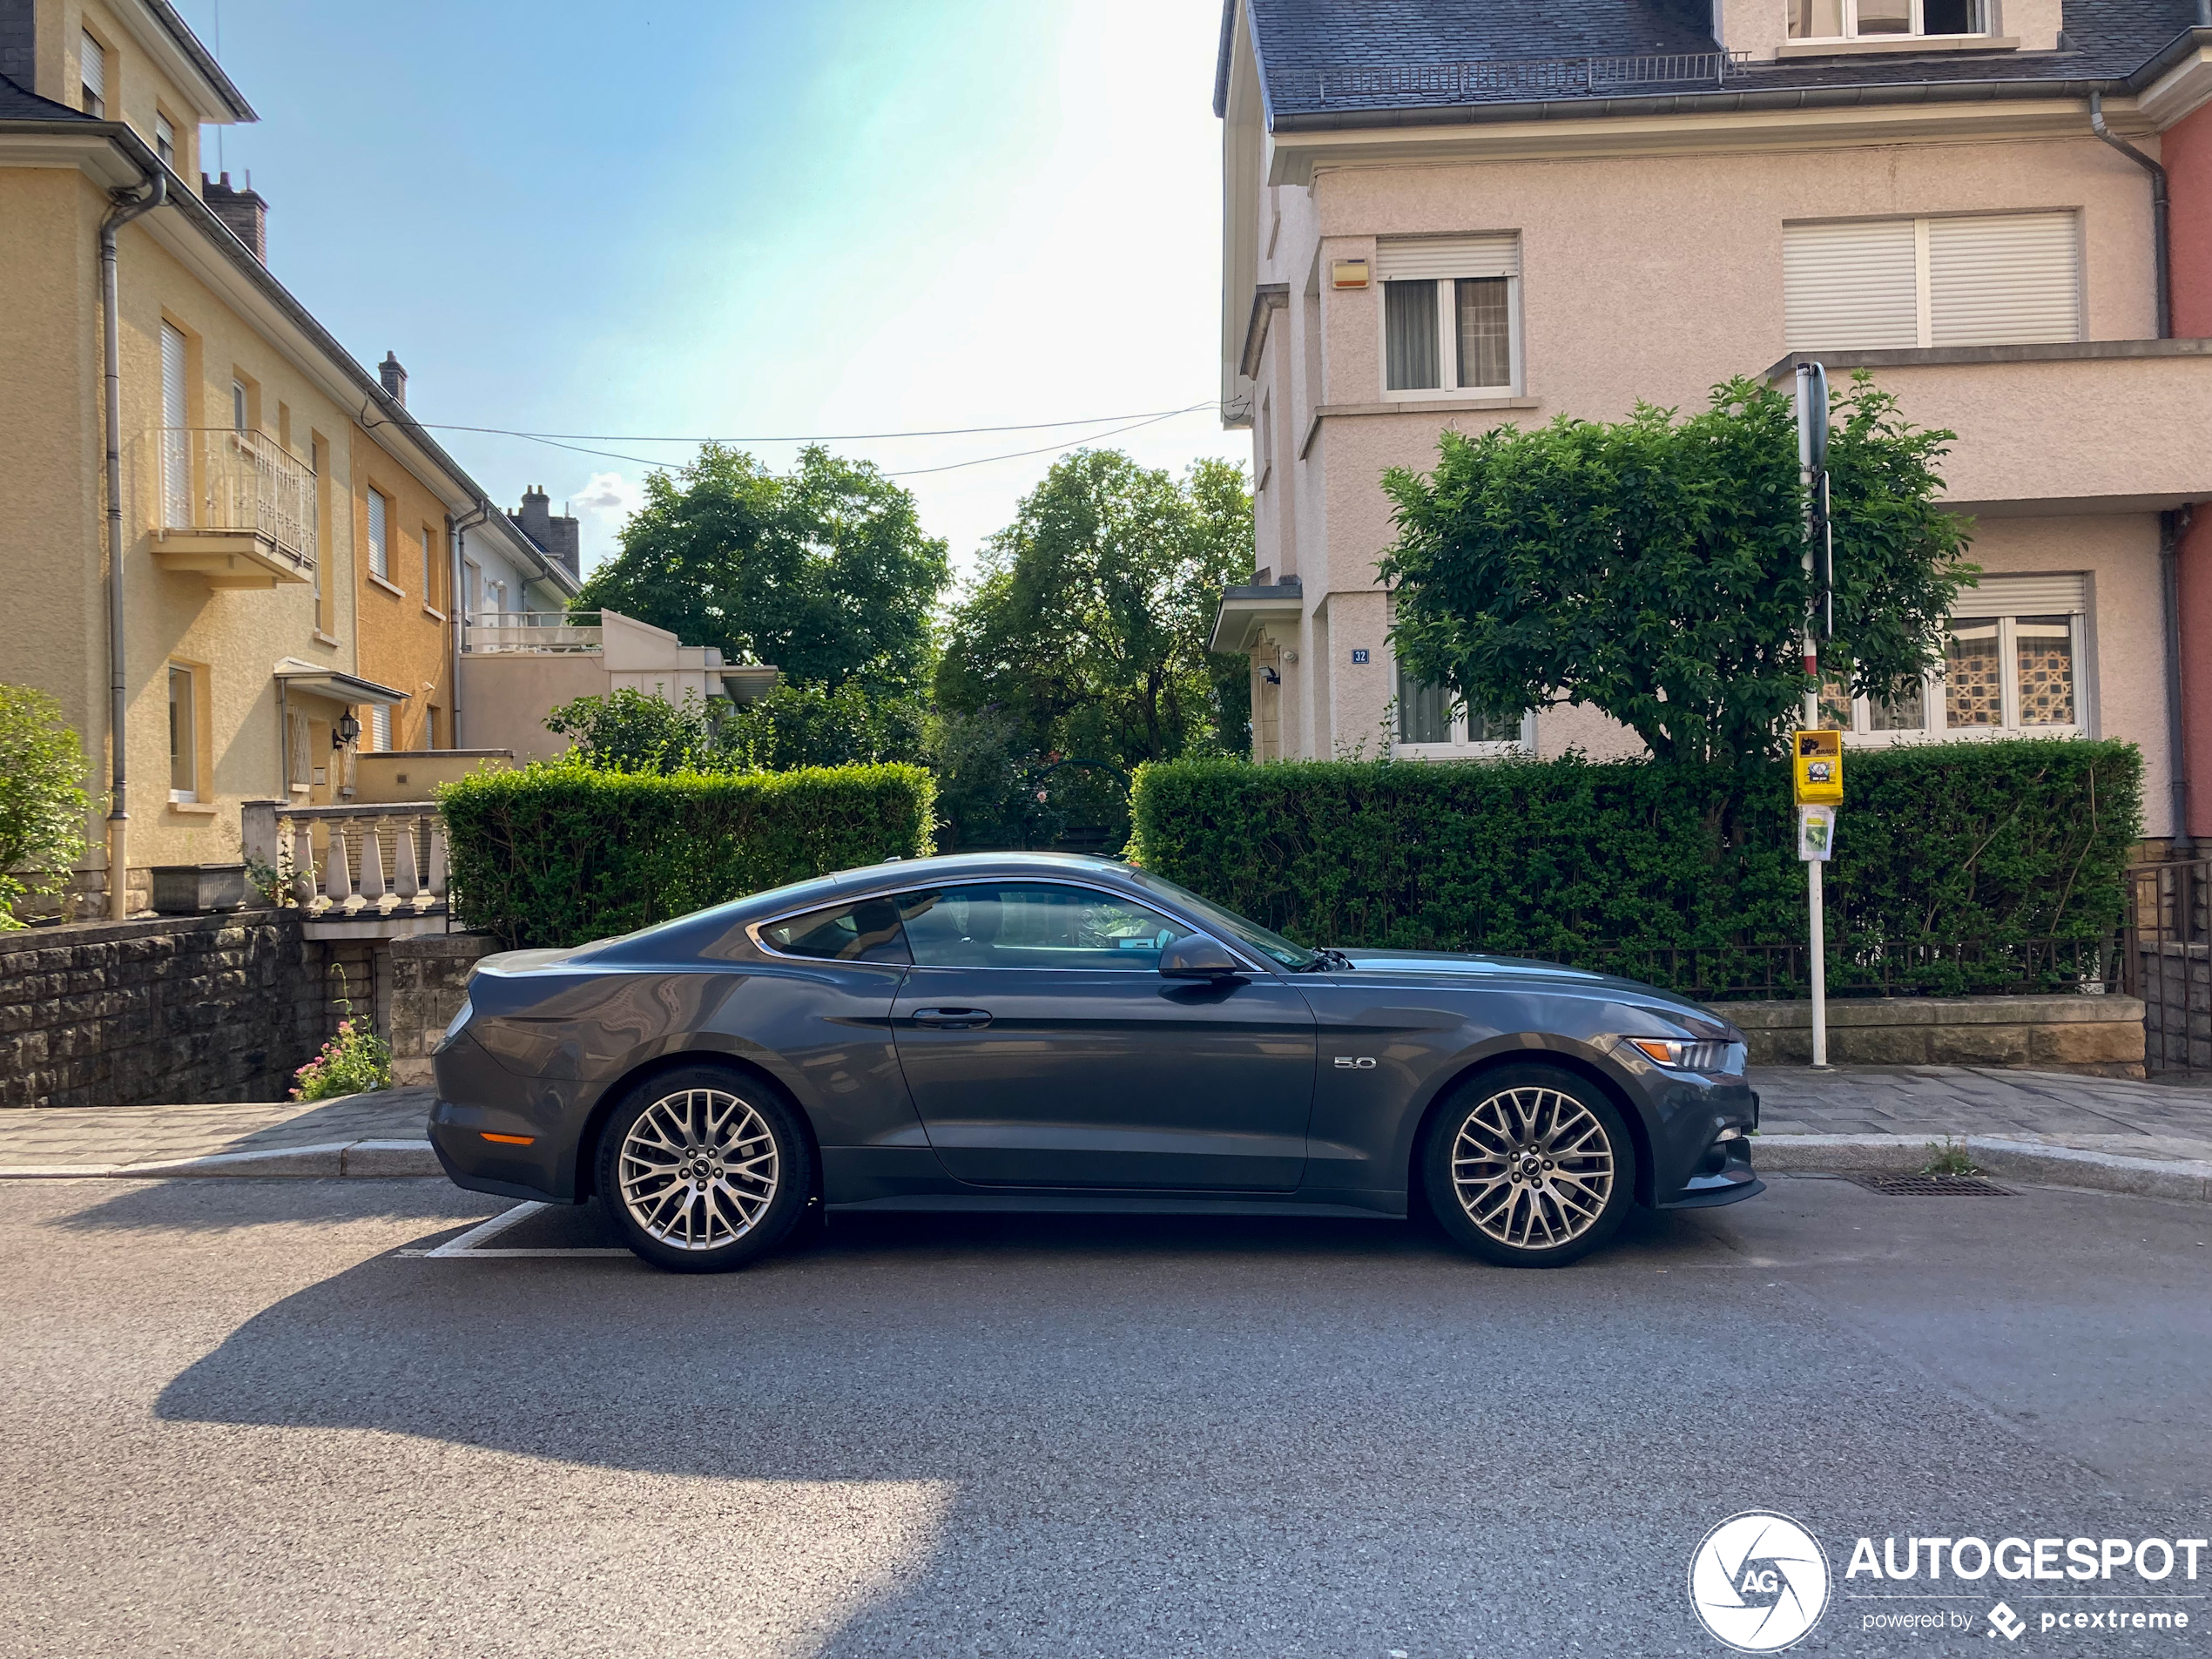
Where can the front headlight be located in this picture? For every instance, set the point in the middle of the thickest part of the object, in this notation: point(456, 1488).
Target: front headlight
point(1689, 1056)
point(452, 1030)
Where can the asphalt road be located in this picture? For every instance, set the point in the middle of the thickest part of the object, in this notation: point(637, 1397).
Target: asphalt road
point(234, 1419)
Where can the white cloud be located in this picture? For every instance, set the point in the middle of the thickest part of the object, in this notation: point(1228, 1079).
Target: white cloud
point(602, 505)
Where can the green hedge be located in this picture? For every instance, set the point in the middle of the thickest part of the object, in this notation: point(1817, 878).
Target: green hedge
point(557, 854)
point(1963, 866)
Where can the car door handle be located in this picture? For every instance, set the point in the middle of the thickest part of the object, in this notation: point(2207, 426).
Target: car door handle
point(951, 1019)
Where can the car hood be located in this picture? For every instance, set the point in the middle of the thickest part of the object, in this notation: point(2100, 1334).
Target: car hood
point(1523, 972)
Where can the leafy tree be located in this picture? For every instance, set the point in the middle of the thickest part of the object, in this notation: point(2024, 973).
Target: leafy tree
point(1085, 629)
point(1653, 568)
point(633, 730)
point(43, 803)
point(820, 726)
point(824, 572)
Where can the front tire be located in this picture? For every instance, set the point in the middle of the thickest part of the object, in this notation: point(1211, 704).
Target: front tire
point(1529, 1166)
point(704, 1169)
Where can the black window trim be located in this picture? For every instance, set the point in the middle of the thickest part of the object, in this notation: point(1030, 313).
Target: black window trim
point(891, 890)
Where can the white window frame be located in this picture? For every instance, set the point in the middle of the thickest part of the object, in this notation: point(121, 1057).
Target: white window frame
point(1918, 31)
point(1265, 436)
point(241, 402)
point(1860, 734)
point(430, 586)
point(165, 139)
point(1459, 747)
point(189, 755)
point(1923, 263)
point(1447, 331)
point(380, 728)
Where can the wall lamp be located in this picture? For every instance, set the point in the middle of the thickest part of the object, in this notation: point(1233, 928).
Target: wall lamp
point(1271, 677)
point(345, 732)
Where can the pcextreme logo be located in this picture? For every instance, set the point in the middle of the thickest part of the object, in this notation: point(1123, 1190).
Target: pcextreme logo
point(1759, 1581)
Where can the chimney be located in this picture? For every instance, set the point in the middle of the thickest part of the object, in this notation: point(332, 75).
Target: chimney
point(395, 379)
point(560, 537)
point(244, 211)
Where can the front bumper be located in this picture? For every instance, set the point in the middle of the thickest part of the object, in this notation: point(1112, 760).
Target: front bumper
point(1724, 1176)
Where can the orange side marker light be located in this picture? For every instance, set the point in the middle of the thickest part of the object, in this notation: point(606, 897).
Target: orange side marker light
point(509, 1140)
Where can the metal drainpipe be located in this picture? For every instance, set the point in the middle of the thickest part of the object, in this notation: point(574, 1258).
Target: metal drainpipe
point(459, 528)
point(2170, 526)
point(2158, 229)
point(126, 208)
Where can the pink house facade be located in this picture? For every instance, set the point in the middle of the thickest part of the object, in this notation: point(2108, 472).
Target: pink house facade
point(1474, 214)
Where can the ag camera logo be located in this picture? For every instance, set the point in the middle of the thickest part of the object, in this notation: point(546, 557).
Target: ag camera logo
point(1759, 1581)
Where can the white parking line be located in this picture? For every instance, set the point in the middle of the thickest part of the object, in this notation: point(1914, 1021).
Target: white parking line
point(468, 1247)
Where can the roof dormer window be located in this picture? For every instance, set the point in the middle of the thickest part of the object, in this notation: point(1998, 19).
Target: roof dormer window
point(1885, 19)
point(91, 75)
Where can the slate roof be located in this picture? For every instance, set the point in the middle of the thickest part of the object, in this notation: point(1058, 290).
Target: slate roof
point(1308, 51)
point(19, 103)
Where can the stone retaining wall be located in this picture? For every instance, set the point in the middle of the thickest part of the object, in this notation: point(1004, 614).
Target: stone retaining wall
point(429, 979)
point(2099, 1036)
point(186, 1008)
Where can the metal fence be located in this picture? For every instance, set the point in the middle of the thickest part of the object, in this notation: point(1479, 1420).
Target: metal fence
point(1528, 76)
point(2169, 961)
point(1921, 967)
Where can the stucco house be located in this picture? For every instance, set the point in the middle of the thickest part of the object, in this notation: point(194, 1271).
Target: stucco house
point(229, 551)
point(1477, 212)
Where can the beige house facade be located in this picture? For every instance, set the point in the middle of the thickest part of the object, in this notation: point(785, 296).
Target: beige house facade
point(1472, 226)
point(264, 644)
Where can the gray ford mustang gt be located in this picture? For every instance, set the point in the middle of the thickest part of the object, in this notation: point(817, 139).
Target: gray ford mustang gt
point(1042, 1032)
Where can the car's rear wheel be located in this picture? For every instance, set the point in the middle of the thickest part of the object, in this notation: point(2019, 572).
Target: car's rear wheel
point(1529, 1166)
point(704, 1169)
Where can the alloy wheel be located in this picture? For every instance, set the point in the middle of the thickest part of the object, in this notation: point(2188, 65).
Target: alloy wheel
point(1533, 1168)
point(699, 1168)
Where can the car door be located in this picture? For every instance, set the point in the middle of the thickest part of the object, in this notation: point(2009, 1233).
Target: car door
point(1044, 1048)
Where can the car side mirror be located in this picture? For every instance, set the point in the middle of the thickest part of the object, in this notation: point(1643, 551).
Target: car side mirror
point(1196, 956)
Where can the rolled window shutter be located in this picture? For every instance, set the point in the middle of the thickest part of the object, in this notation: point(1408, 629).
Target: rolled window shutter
point(2007, 279)
point(1410, 258)
point(176, 442)
point(376, 543)
point(2040, 595)
point(1851, 286)
point(92, 68)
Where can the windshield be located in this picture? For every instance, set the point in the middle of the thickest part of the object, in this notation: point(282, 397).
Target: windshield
point(1250, 933)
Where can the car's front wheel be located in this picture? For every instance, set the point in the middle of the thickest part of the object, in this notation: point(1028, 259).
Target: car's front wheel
point(1529, 1166)
point(704, 1170)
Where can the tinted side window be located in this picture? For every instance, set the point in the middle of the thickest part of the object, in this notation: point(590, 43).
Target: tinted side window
point(1033, 925)
point(868, 931)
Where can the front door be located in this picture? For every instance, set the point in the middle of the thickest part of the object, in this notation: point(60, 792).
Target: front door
point(1044, 1048)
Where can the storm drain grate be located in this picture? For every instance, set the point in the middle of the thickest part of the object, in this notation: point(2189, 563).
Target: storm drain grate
point(1933, 1186)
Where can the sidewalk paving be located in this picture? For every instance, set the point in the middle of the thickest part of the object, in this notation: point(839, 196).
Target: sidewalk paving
point(1882, 1114)
point(2108, 1114)
point(45, 1139)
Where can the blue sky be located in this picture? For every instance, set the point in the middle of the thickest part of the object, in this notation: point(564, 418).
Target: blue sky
point(746, 219)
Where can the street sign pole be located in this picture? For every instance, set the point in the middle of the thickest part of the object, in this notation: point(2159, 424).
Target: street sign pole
point(1812, 458)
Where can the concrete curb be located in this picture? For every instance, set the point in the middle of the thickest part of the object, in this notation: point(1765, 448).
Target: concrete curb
point(2017, 1160)
point(361, 1160)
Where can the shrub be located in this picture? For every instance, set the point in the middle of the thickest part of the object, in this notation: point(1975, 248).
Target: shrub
point(558, 853)
point(43, 803)
point(354, 1062)
point(1955, 863)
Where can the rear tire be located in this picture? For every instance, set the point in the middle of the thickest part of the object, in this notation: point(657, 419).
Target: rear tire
point(704, 1168)
point(1529, 1166)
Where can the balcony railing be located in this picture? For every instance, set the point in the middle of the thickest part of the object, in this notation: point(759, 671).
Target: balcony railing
point(350, 863)
point(534, 631)
point(1526, 76)
point(212, 478)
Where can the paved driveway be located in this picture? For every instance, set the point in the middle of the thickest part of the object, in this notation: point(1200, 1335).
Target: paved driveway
point(234, 1419)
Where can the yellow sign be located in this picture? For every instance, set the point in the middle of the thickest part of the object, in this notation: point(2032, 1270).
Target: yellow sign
point(1817, 763)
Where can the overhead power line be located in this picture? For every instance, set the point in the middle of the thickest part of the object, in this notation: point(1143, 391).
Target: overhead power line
point(812, 437)
point(553, 443)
